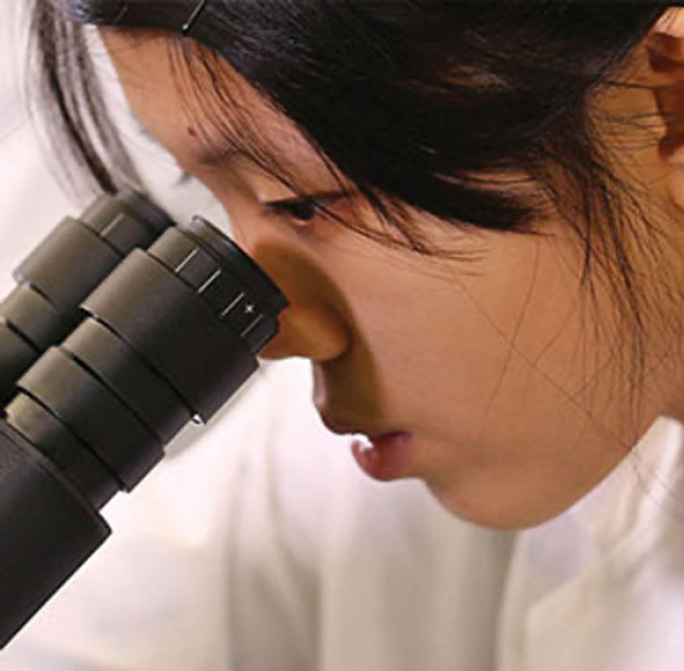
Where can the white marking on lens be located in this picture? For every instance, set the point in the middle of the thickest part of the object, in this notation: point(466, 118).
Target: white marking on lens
point(186, 260)
point(209, 281)
point(251, 326)
point(233, 304)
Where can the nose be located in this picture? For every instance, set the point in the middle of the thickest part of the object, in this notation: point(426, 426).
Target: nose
point(313, 326)
point(308, 330)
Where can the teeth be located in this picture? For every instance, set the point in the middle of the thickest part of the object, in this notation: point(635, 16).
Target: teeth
point(361, 443)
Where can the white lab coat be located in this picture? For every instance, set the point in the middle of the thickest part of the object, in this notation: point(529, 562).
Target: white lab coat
point(601, 588)
point(259, 546)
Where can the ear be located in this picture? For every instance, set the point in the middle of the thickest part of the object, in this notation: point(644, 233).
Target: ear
point(666, 59)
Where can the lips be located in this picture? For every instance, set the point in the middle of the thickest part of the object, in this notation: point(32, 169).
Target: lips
point(382, 455)
point(385, 457)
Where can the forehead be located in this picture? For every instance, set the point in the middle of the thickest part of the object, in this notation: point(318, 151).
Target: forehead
point(199, 107)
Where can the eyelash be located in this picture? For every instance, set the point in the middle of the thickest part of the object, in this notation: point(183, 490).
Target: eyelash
point(302, 210)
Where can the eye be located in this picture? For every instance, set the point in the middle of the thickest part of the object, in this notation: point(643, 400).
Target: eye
point(303, 210)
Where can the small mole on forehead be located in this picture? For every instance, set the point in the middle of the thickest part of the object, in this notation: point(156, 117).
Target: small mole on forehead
point(191, 131)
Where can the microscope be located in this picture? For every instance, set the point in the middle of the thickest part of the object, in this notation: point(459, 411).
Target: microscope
point(122, 328)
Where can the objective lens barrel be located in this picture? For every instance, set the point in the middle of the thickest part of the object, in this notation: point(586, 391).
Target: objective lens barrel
point(169, 335)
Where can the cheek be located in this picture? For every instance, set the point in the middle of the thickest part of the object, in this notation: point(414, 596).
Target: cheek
point(450, 342)
point(503, 393)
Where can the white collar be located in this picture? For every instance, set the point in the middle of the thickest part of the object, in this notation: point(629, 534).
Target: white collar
point(641, 489)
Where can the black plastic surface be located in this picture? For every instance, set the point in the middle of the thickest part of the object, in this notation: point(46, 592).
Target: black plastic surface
point(16, 355)
point(70, 455)
point(68, 265)
point(94, 414)
point(48, 531)
point(176, 333)
point(128, 375)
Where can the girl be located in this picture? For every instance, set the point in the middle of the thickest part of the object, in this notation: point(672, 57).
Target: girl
point(474, 209)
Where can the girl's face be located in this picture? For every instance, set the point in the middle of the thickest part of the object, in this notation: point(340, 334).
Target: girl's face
point(510, 384)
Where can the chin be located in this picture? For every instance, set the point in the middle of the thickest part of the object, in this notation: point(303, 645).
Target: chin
point(490, 509)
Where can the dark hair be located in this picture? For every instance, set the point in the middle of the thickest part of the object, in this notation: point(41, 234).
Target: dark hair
point(429, 104)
